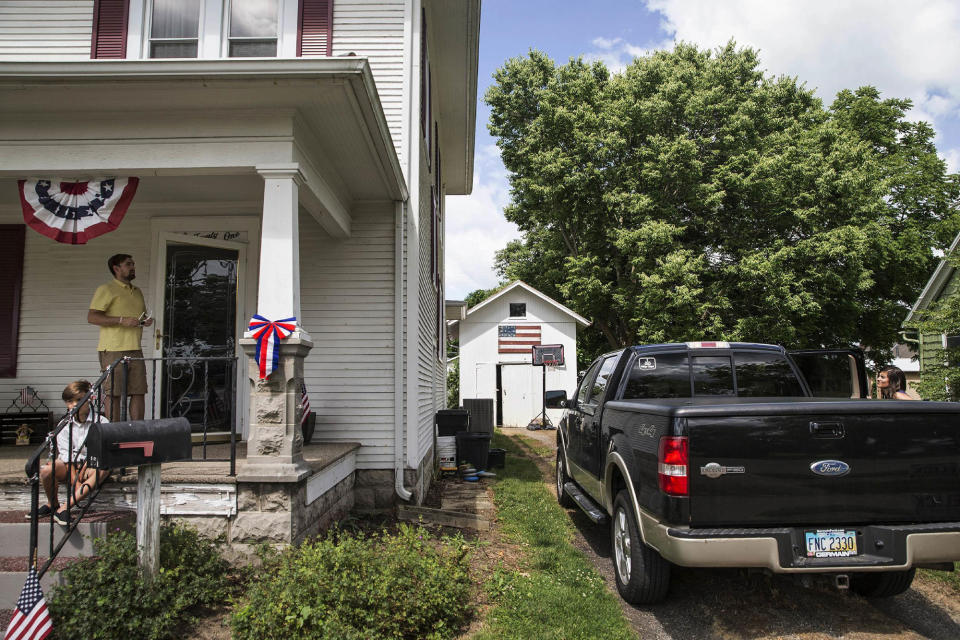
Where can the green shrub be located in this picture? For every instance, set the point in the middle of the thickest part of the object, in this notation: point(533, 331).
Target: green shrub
point(346, 587)
point(106, 597)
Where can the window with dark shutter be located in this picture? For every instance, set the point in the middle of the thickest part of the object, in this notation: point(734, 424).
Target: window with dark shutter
point(109, 29)
point(315, 28)
point(11, 277)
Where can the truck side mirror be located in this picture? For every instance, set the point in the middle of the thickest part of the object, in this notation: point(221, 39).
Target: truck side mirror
point(556, 399)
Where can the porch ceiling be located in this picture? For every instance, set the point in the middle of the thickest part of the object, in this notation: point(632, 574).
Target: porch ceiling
point(203, 117)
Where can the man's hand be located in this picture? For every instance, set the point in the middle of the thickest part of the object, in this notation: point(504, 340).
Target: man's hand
point(148, 322)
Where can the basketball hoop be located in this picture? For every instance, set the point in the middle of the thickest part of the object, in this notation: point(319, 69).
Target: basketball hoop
point(551, 364)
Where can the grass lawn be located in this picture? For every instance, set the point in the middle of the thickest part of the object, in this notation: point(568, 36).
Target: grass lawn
point(554, 593)
point(951, 580)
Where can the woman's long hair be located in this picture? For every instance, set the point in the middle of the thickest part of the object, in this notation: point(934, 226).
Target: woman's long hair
point(897, 382)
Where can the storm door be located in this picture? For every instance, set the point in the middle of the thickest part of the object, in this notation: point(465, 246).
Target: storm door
point(197, 336)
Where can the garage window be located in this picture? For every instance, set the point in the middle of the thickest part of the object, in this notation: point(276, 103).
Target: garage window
point(518, 309)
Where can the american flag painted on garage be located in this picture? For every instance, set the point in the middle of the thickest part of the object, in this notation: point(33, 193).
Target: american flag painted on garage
point(518, 338)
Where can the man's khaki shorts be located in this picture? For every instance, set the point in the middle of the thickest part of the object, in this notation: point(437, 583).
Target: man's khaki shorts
point(137, 373)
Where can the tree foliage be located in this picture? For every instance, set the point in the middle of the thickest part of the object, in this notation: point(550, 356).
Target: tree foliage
point(691, 197)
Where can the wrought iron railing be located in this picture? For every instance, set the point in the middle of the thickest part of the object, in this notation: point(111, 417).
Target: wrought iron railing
point(186, 390)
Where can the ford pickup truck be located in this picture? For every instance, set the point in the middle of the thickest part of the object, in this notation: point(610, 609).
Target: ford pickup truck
point(727, 455)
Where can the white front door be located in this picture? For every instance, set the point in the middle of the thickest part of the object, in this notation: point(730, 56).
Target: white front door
point(522, 391)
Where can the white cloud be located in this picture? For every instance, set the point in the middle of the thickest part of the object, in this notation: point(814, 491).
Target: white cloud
point(476, 228)
point(952, 156)
point(905, 49)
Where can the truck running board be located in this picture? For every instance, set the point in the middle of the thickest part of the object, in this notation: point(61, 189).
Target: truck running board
point(589, 507)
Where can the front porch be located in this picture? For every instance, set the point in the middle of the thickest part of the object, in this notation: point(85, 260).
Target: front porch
point(205, 495)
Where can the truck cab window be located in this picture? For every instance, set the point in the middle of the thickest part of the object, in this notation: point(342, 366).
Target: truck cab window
point(600, 383)
point(712, 376)
point(584, 391)
point(662, 375)
point(767, 375)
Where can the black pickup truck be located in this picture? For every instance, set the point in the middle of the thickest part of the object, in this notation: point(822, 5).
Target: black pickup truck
point(718, 454)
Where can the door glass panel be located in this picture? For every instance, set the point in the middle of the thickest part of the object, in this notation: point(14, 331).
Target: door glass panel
point(766, 375)
point(200, 311)
point(600, 384)
point(712, 376)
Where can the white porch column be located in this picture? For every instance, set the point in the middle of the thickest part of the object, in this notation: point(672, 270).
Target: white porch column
point(275, 442)
point(278, 290)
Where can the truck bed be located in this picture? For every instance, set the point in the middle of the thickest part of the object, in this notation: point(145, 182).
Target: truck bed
point(753, 462)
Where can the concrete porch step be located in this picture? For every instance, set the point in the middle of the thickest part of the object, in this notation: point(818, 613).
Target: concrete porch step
point(13, 574)
point(15, 532)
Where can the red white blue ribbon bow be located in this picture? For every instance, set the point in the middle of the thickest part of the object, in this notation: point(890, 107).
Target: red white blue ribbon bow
point(268, 334)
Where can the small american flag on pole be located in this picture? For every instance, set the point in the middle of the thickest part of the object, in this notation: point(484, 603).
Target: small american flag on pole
point(31, 620)
point(304, 404)
point(517, 338)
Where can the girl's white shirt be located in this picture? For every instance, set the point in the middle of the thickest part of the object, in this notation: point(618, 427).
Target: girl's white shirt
point(79, 437)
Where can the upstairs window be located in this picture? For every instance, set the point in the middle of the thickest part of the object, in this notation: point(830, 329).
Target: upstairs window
point(175, 29)
point(253, 29)
point(518, 309)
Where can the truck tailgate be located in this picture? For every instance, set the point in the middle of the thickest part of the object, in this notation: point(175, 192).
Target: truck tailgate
point(756, 464)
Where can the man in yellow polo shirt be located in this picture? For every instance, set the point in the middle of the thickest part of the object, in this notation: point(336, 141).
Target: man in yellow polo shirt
point(118, 309)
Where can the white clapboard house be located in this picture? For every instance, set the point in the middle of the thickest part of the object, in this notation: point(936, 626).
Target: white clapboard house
point(496, 340)
point(291, 159)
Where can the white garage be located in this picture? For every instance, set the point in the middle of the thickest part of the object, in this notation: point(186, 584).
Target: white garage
point(496, 339)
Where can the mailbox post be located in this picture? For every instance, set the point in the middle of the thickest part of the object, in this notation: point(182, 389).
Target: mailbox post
point(144, 444)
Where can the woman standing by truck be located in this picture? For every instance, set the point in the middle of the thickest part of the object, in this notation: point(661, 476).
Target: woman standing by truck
point(892, 384)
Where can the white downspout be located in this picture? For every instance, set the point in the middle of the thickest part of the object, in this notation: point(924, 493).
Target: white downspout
point(398, 370)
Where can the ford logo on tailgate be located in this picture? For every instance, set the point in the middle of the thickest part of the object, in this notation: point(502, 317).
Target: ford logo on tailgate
point(830, 468)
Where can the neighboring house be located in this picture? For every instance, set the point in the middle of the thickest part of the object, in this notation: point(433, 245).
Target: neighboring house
point(944, 282)
point(496, 337)
point(297, 151)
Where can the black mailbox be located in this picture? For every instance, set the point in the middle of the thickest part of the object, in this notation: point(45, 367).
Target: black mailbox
point(131, 444)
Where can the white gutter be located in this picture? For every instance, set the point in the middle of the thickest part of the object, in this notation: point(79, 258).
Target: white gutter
point(398, 452)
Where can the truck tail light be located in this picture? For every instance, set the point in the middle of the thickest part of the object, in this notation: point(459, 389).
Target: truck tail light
point(672, 471)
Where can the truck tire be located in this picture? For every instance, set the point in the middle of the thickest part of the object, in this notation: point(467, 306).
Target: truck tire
point(881, 585)
point(643, 576)
point(562, 478)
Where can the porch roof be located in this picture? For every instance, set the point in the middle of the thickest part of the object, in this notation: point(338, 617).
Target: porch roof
point(213, 117)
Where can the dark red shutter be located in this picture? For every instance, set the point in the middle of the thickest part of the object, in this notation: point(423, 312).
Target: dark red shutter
point(315, 28)
point(11, 278)
point(109, 29)
point(423, 71)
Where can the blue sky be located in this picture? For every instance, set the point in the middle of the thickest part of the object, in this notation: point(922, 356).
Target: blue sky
point(905, 49)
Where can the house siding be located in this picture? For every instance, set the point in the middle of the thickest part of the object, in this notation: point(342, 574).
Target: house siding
point(347, 304)
point(374, 29)
point(56, 345)
point(45, 30)
point(932, 343)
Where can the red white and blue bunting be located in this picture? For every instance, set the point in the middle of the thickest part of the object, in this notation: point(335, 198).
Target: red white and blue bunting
point(268, 334)
point(74, 212)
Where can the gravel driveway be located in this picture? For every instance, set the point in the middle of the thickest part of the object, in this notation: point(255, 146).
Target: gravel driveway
point(733, 604)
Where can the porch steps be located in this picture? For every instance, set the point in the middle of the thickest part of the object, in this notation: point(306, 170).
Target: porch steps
point(15, 536)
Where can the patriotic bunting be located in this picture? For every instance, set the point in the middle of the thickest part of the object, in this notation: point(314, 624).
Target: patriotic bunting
point(74, 212)
point(268, 334)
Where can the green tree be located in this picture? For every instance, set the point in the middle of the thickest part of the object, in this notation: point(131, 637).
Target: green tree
point(691, 197)
point(477, 296)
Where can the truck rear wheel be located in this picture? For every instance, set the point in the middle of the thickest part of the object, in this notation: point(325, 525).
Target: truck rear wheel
point(643, 576)
point(562, 478)
point(881, 585)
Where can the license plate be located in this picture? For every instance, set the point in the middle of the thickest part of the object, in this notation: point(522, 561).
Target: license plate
point(831, 543)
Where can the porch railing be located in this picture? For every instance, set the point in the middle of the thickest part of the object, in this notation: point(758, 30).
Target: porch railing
point(186, 391)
